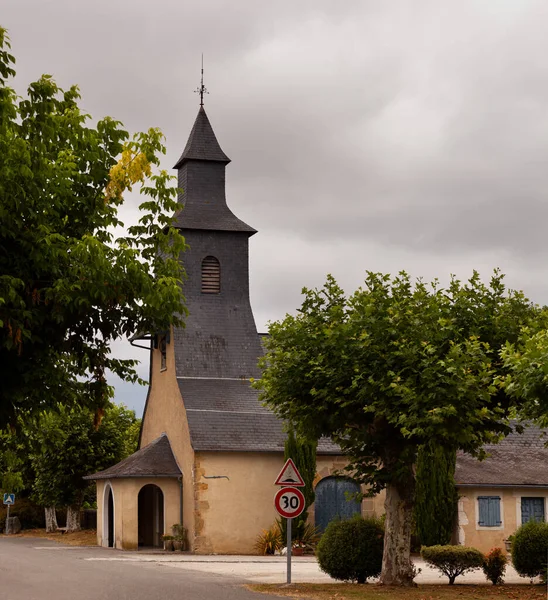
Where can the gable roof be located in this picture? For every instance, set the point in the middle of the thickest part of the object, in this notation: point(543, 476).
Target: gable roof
point(226, 415)
point(517, 460)
point(202, 143)
point(154, 460)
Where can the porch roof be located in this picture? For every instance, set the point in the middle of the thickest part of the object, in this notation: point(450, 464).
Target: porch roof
point(154, 460)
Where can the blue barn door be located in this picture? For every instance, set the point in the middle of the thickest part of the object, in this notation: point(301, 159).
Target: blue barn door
point(532, 509)
point(331, 502)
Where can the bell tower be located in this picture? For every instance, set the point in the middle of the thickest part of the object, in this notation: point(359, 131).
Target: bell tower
point(220, 340)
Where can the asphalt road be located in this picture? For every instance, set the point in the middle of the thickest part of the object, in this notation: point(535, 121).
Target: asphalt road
point(35, 569)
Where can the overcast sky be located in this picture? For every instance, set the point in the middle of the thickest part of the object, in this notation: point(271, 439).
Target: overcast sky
point(363, 135)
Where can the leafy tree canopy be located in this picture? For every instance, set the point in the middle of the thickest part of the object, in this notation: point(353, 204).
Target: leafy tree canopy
point(395, 366)
point(68, 288)
point(65, 445)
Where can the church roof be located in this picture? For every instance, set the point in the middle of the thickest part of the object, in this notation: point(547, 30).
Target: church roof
point(226, 415)
point(154, 460)
point(202, 143)
point(517, 460)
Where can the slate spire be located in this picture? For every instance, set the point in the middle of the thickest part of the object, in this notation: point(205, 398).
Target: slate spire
point(202, 178)
point(202, 143)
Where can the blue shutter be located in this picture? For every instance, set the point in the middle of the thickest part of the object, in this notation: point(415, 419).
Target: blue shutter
point(489, 511)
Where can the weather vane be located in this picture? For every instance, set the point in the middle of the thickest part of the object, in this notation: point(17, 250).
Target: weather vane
point(202, 89)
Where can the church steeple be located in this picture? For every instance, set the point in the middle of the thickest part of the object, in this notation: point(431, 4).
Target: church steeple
point(202, 179)
point(202, 143)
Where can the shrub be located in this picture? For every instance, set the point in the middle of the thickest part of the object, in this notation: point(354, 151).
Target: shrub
point(494, 565)
point(452, 561)
point(352, 550)
point(530, 548)
point(30, 514)
point(269, 541)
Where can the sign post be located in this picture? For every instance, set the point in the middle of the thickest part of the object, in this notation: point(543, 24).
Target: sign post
point(9, 499)
point(289, 501)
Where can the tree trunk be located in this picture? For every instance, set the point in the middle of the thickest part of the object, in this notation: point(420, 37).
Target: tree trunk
point(73, 518)
point(397, 568)
point(51, 519)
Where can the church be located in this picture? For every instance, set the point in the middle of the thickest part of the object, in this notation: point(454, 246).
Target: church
point(209, 452)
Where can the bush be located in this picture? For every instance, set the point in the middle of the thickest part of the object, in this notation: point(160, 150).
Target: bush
point(269, 541)
point(494, 565)
point(452, 561)
point(30, 514)
point(352, 550)
point(530, 548)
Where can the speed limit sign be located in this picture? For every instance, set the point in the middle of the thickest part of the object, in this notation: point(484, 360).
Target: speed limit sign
point(289, 502)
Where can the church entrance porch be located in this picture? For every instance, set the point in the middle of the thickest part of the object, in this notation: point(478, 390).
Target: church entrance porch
point(150, 516)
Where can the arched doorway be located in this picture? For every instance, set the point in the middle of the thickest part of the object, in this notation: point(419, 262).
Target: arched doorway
point(151, 516)
point(108, 517)
point(331, 502)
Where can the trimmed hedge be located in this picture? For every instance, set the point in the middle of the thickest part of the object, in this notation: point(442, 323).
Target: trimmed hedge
point(530, 548)
point(352, 550)
point(452, 561)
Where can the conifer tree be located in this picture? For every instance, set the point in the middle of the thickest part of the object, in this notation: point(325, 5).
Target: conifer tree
point(303, 454)
point(436, 495)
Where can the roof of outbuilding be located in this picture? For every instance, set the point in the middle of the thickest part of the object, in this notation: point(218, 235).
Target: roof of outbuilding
point(226, 415)
point(154, 460)
point(202, 143)
point(517, 460)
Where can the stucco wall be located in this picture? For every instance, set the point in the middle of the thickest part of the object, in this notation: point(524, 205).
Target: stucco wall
point(231, 513)
point(125, 495)
point(485, 538)
point(165, 412)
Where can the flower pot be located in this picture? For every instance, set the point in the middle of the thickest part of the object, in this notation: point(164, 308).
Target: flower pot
point(168, 545)
point(178, 545)
point(297, 551)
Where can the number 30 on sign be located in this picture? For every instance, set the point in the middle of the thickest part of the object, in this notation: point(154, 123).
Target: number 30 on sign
point(289, 502)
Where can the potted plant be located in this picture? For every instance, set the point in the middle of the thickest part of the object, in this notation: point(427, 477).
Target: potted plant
point(179, 537)
point(306, 538)
point(168, 542)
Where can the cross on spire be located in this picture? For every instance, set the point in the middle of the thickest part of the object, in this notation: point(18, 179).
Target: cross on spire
point(202, 89)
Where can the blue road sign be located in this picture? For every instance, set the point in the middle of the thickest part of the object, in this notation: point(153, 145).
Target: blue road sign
point(9, 499)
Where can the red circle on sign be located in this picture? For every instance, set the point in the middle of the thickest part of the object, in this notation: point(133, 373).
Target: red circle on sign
point(289, 502)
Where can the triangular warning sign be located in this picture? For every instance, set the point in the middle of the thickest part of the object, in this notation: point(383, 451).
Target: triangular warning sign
point(289, 475)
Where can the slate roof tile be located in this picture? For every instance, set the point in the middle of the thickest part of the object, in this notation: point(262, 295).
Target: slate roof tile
point(226, 415)
point(154, 460)
point(202, 143)
point(517, 460)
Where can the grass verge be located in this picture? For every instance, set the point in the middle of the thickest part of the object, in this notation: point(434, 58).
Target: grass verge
point(342, 591)
point(86, 537)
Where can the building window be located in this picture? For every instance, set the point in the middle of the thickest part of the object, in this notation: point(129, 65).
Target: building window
point(532, 509)
point(161, 344)
point(211, 275)
point(489, 511)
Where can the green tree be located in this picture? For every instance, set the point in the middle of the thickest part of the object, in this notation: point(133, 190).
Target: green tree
point(394, 366)
point(436, 495)
point(67, 445)
point(68, 287)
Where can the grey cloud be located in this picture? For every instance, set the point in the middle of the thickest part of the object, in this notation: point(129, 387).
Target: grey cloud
point(364, 135)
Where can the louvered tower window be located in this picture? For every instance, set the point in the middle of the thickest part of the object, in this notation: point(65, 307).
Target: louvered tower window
point(211, 275)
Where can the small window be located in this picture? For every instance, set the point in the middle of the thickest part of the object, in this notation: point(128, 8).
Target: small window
point(532, 509)
point(211, 275)
point(162, 346)
point(489, 511)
